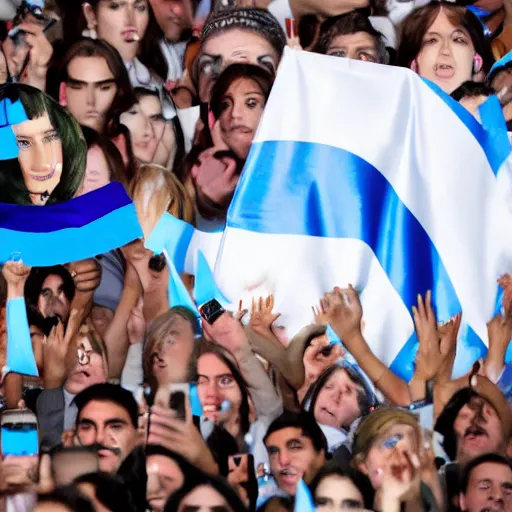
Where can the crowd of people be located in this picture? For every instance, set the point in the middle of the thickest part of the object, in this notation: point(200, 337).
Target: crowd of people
point(139, 404)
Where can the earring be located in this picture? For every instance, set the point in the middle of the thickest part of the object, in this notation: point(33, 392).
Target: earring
point(477, 63)
point(90, 33)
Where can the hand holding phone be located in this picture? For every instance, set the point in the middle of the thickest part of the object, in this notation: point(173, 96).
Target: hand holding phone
point(19, 433)
point(211, 311)
point(177, 401)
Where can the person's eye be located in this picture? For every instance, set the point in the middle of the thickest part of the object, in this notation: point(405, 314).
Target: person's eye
point(295, 446)
point(484, 487)
point(507, 491)
point(461, 40)
point(321, 501)
point(23, 144)
point(252, 103)
point(337, 53)
point(329, 386)
point(226, 381)
point(430, 40)
point(142, 7)
point(206, 68)
point(224, 106)
point(268, 62)
point(106, 87)
point(273, 451)
point(114, 6)
point(202, 381)
point(51, 138)
point(367, 57)
point(76, 87)
point(117, 427)
point(157, 118)
point(85, 427)
point(45, 293)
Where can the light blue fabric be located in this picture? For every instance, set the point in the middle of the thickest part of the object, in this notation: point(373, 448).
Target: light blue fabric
point(303, 498)
point(20, 355)
point(205, 287)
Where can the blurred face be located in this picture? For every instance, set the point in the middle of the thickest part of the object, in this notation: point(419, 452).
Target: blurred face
point(173, 16)
point(97, 172)
point(164, 133)
point(358, 46)
point(40, 157)
point(489, 489)
point(51, 507)
point(478, 430)
point(242, 107)
point(204, 499)
point(68, 466)
point(446, 56)
point(86, 367)
point(386, 453)
point(292, 457)
point(335, 493)
point(142, 133)
point(336, 404)
point(4, 75)
point(89, 91)
point(172, 353)
point(107, 425)
point(123, 23)
point(52, 299)
point(215, 384)
point(228, 47)
point(89, 491)
point(164, 478)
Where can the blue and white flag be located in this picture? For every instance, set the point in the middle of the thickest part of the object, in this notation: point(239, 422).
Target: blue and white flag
point(367, 174)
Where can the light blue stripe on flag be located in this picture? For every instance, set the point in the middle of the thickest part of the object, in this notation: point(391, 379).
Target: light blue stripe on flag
point(109, 232)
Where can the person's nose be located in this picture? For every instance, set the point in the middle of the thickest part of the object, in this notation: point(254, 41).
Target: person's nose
point(237, 111)
point(176, 7)
point(90, 97)
point(212, 392)
point(130, 16)
point(284, 459)
point(445, 47)
point(41, 157)
point(153, 485)
point(148, 132)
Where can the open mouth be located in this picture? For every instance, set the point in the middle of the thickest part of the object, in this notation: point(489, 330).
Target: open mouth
point(131, 36)
point(475, 432)
point(240, 129)
point(328, 412)
point(444, 70)
point(43, 177)
point(211, 408)
point(289, 476)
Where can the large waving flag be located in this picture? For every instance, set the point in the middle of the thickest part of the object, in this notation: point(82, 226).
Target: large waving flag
point(82, 228)
point(366, 174)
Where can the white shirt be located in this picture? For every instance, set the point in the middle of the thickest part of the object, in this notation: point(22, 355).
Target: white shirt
point(174, 54)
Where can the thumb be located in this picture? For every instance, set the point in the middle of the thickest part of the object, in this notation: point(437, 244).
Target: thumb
point(46, 483)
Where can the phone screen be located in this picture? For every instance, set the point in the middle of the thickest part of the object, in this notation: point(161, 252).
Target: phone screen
point(20, 439)
point(211, 311)
point(177, 403)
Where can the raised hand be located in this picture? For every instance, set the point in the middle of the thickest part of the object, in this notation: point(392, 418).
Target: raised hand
point(136, 326)
point(319, 355)
point(227, 332)
point(15, 274)
point(55, 349)
point(321, 317)
point(262, 316)
point(344, 312)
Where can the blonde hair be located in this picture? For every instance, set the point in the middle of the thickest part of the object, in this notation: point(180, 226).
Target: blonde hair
point(156, 190)
point(87, 330)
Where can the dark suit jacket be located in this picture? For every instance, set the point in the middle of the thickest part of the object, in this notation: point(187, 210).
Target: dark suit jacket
point(50, 414)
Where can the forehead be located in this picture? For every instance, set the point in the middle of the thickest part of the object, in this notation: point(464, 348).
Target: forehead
point(212, 364)
point(399, 428)
point(90, 69)
point(53, 281)
point(282, 436)
point(150, 103)
point(34, 126)
point(244, 85)
point(491, 471)
point(230, 42)
point(339, 486)
point(442, 23)
point(103, 410)
point(358, 38)
point(165, 464)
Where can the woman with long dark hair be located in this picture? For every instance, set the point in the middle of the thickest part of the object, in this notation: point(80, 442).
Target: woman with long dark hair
point(51, 150)
point(444, 43)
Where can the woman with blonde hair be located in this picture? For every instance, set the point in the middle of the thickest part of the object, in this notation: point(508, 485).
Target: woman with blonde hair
point(156, 190)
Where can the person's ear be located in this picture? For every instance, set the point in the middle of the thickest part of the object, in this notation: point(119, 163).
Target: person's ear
point(361, 466)
point(477, 63)
point(63, 99)
point(414, 66)
point(90, 18)
point(462, 502)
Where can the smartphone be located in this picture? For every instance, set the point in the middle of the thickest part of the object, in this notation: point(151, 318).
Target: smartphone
point(179, 393)
point(19, 433)
point(211, 311)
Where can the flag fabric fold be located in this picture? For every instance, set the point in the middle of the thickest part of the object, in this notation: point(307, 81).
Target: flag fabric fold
point(84, 227)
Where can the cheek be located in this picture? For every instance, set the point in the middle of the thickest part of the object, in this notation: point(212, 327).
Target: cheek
point(141, 23)
point(426, 60)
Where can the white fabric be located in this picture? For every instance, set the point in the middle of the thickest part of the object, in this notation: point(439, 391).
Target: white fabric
point(133, 374)
point(174, 54)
